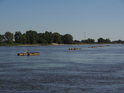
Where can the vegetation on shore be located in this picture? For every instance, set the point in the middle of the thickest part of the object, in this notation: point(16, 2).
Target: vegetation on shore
point(33, 38)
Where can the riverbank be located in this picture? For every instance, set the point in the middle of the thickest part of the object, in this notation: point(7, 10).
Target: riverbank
point(52, 44)
point(15, 44)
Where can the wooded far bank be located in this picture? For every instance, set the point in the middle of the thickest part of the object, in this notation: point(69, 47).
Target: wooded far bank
point(32, 37)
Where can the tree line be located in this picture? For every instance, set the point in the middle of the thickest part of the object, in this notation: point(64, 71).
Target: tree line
point(32, 37)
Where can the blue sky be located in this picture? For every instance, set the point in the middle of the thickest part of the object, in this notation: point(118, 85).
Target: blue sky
point(96, 18)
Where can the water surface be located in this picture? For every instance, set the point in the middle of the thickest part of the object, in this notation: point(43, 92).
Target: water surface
point(59, 70)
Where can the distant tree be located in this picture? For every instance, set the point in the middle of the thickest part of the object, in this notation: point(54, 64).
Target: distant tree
point(1, 38)
point(118, 41)
point(24, 39)
point(18, 37)
point(107, 40)
point(48, 37)
point(89, 40)
point(76, 41)
point(82, 41)
point(41, 39)
point(57, 38)
point(67, 39)
point(8, 37)
point(31, 37)
point(101, 40)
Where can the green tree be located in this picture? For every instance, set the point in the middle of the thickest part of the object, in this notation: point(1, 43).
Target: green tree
point(100, 40)
point(8, 37)
point(118, 41)
point(31, 37)
point(1, 38)
point(18, 36)
point(77, 41)
point(67, 39)
point(107, 40)
point(57, 38)
point(24, 39)
point(48, 36)
point(41, 39)
point(89, 40)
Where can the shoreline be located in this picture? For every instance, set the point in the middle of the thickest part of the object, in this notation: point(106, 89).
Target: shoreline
point(53, 44)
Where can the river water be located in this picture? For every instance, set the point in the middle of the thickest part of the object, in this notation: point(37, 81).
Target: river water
point(59, 70)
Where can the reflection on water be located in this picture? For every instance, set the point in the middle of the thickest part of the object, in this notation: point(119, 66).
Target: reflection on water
point(58, 70)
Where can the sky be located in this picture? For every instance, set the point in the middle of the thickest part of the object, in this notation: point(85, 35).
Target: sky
point(81, 18)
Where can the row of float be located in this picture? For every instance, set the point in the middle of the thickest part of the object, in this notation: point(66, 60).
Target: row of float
point(98, 46)
point(27, 53)
point(87, 47)
point(74, 49)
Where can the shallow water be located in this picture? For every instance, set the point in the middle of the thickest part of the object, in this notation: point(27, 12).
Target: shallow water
point(59, 70)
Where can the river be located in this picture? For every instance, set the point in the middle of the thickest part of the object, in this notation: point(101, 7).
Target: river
point(59, 70)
